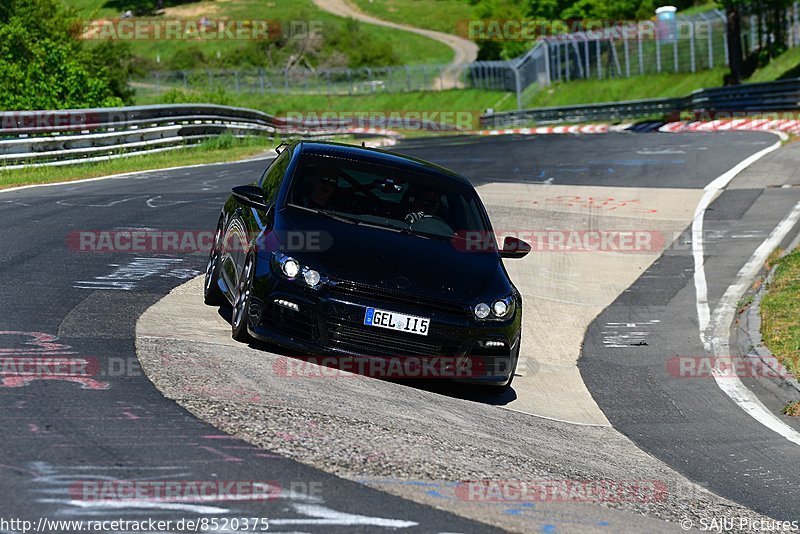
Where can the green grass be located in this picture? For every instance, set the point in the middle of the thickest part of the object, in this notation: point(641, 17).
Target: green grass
point(410, 48)
point(697, 9)
point(787, 65)
point(780, 313)
point(618, 89)
point(448, 16)
point(221, 149)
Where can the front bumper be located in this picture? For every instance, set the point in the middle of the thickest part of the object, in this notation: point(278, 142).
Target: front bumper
point(330, 322)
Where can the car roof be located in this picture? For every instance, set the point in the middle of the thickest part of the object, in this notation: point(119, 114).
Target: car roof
point(381, 157)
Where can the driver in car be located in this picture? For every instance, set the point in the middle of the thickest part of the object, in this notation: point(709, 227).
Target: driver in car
point(424, 202)
point(323, 187)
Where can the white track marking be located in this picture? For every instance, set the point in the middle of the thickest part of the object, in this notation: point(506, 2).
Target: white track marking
point(268, 155)
point(321, 515)
point(721, 322)
point(710, 192)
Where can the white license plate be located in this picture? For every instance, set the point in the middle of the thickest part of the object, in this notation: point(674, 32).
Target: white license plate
point(397, 321)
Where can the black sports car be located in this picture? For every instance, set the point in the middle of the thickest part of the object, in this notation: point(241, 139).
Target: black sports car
point(357, 253)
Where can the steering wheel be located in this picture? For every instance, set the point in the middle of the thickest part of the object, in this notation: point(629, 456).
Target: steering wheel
point(413, 217)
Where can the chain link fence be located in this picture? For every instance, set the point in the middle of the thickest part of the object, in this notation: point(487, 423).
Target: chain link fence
point(688, 44)
point(493, 75)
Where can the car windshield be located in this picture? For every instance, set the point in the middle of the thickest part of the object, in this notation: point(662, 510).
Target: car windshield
point(381, 195)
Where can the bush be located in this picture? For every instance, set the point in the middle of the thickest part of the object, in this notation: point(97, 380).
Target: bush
point(44, 64)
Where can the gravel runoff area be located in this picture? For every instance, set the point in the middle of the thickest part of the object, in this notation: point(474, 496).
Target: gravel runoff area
point(417, 442)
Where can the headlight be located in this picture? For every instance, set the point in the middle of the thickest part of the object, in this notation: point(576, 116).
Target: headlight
point(500, 309)
point(481, 311)
point(293, 269)
point(290, 267)
point(311, 277)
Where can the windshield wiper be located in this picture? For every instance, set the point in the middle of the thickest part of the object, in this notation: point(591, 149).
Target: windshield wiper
point(332, 215)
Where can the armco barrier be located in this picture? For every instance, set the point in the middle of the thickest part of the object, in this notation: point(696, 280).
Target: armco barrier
point(781, 95)
point(35, 138)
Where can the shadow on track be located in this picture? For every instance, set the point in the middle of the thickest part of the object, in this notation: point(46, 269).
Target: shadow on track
point(496, 396)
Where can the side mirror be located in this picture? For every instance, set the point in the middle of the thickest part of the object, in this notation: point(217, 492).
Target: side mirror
point(514, 248)
point(250, 195)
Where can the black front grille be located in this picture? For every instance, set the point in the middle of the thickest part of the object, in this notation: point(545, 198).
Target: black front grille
point(297, 324)
point(372, 341)
point(382, 295)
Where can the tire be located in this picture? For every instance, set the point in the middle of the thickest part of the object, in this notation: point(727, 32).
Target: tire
point(212, 294)
point(241, 305)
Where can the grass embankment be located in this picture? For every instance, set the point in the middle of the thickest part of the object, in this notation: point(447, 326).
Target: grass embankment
point(221, 149)
point(448, 16)
point(780, 317)
point(619, 89)
point(408, 48)
point(455, 100)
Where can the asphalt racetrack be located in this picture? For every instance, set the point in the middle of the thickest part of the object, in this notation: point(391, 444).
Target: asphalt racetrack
point(69, 427)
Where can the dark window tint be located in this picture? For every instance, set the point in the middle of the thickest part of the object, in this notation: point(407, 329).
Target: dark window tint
point(393, 197)
point(272, 178)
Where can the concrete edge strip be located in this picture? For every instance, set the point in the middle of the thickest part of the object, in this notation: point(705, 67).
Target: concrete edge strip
point(714, 330)
point(556, 419)
point(548, 130)
point(710, 193)
point(722, 320)
point(726, 125)
point(752, 331)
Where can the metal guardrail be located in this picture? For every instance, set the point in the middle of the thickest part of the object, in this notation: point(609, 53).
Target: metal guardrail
point(610, 111)
point(781, 95)
point(37, 138)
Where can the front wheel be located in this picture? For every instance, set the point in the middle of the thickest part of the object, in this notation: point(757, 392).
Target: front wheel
point(212, 294)
point(241, 307)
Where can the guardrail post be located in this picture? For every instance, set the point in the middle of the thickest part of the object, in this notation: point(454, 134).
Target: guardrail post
point(614, 56)
point(599, 59)
point(658, 55)
point(710, 46)
point(558, 61)
point(692, 64)
point(640, 51)
point(566, 60)
point(586, 58)
point(725, 46)
point(547, 62)
point(626, 49)
point(675, 53)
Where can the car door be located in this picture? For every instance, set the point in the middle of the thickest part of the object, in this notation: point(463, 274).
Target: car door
point(247, 223)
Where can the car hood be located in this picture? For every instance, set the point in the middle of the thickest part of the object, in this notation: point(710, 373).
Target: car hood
point(433, 267)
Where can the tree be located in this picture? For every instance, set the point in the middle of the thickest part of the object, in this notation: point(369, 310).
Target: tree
point(45, 65)
point(733, 23)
